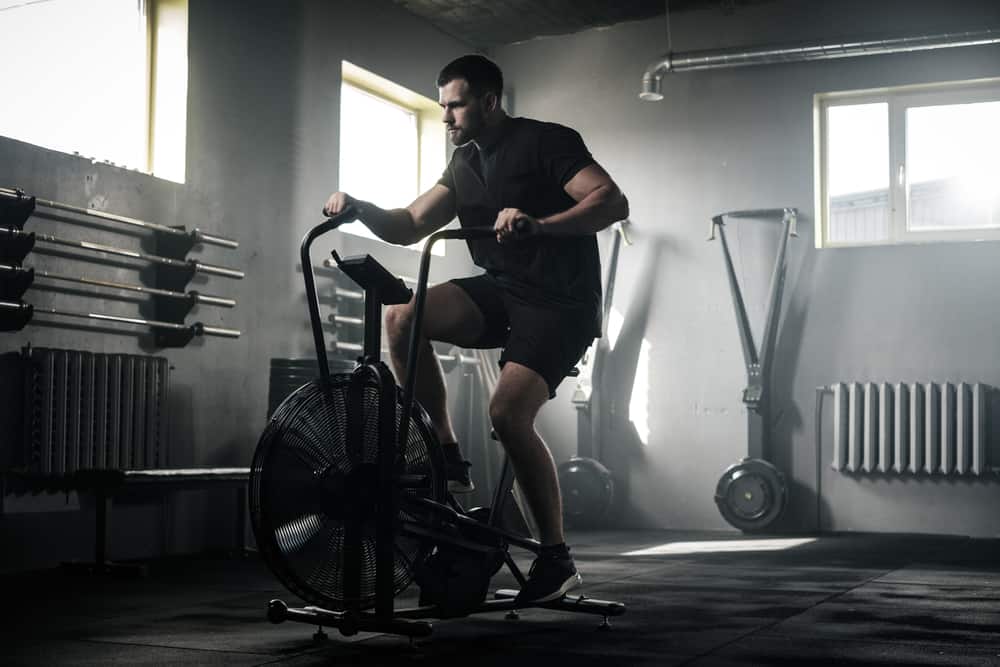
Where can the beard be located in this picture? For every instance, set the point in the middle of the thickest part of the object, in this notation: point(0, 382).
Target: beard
point(472, 128)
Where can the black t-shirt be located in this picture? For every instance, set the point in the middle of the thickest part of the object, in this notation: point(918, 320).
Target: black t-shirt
point(526, 165)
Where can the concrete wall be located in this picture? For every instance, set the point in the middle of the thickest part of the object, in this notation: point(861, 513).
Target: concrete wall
point(262, 155)
point(743, 138)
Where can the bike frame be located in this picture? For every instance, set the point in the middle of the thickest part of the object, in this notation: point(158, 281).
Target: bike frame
point(393, 436)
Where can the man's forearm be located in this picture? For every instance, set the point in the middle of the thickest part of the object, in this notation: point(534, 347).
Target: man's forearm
point(393, 225)
point(597, 210)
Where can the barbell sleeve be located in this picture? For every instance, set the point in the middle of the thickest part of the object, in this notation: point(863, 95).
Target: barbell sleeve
point(201, 329)
point(211, 299)
point(216, 270)
point(214, 239)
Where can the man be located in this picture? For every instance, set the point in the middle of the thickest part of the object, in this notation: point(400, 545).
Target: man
point(540, 295)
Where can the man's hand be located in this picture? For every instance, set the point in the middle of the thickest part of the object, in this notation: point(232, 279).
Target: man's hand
point(337, 202)
point(514, 225)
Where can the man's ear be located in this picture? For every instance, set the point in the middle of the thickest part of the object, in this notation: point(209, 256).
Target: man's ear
point(491, 101)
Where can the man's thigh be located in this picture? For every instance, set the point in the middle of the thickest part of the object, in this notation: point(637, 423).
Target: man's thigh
point(549, 341)
point(451, 316)
point(520, 390)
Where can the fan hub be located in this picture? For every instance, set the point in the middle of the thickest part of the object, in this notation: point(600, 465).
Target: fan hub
point(351, 494)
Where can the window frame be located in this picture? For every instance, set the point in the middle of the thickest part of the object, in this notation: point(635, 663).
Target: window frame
point(899, 100)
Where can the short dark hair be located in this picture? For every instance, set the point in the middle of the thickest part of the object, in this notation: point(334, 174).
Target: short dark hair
point(481, 73)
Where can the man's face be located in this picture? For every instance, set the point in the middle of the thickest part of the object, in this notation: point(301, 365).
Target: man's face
point(464, 113)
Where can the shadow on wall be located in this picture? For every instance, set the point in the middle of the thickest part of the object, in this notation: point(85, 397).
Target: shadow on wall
point(785, 415)
point(618, 443)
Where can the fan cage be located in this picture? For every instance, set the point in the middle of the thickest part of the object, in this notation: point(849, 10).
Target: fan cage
point(305, 442)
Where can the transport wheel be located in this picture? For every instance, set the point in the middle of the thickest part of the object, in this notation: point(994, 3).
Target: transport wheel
point(751, 494)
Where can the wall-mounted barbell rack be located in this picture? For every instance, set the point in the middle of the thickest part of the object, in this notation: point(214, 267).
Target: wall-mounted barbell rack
point(171, 301)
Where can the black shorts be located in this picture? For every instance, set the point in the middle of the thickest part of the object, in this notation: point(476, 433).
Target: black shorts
point(549, 341)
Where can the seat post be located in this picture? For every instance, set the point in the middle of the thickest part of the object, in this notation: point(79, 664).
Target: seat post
point(373, 323)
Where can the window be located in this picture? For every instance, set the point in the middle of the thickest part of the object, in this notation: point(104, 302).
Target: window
point(908, 165)
point(104, 78)
point(392, 143)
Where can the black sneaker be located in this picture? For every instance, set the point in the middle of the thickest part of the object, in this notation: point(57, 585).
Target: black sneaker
point(459, 480)
point(549, 578)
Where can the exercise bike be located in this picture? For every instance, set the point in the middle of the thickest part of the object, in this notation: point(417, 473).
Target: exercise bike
point(348, 495)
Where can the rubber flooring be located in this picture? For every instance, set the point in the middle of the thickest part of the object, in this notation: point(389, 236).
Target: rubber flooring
point(691, 599)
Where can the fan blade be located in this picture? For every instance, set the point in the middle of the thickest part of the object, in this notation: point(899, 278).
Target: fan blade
point(295, 534)
point(306, 448)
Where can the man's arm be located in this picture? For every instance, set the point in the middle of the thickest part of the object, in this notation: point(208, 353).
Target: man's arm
point(428, 213)
point(599, 203)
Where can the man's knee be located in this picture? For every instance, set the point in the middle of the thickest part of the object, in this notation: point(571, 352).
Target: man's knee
point(507, 418)
point(398, 321)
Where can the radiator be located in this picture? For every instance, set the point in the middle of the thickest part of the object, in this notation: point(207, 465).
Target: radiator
point(85, 410)
point(906, 429)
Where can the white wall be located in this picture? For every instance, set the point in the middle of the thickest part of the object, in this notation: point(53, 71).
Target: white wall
point(743, 138)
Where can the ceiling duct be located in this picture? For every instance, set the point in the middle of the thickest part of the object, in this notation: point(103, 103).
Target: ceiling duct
point(771, 55)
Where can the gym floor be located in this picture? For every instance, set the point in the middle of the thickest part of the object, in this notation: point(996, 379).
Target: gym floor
point(841, 599)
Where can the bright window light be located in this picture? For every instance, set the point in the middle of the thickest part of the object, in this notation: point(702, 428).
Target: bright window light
point(378, 149)
point(908, 164)
point(379, 153)
point(106, 79)
point(858, 172)
point(75, 77)
point(168, 149)
point(392, 143)
point(720, 546)
point(953, 166)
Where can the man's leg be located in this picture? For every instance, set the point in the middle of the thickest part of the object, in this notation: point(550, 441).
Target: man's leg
point(450, 315)
point(519, 395)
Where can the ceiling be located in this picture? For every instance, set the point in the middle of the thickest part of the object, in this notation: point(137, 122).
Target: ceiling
point(485, 24)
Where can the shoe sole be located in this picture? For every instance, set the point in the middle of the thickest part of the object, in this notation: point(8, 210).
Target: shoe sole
point(567, 586)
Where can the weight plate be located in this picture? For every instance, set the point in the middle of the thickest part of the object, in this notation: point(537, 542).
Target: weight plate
point(588, 491)
point(751, 494)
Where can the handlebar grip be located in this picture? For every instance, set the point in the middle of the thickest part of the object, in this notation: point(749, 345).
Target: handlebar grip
point(349, 214)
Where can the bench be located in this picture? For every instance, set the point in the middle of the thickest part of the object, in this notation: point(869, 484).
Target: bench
point(105, 484)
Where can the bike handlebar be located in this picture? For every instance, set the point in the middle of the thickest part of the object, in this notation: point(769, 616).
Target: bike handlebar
point(312, 300)
point(350, 214)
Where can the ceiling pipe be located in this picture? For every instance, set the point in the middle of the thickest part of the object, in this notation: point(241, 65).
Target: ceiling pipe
point(652, 78)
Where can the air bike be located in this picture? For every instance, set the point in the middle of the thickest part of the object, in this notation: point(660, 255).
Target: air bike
point(348, 495)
